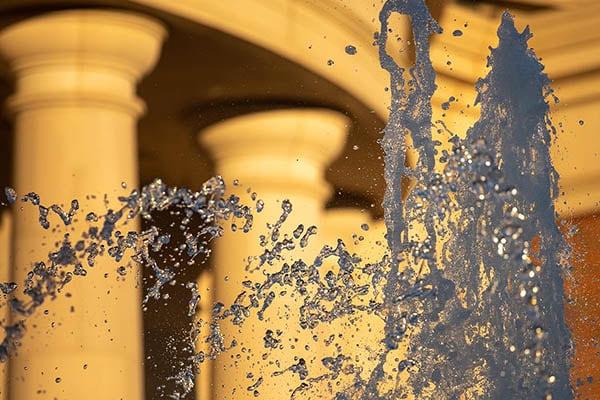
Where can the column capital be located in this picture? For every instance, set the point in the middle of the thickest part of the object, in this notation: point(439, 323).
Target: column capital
point(94, 57)
point(286, 149)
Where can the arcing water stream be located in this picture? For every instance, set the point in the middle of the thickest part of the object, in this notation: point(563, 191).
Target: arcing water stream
point(470, 290)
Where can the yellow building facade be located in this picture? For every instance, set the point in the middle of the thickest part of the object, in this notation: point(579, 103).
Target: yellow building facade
point(102, 96)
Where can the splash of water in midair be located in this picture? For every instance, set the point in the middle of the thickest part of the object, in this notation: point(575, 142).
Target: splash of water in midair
point(514, 293)
point(470, 289)
point(410, 114)
point(493, 317)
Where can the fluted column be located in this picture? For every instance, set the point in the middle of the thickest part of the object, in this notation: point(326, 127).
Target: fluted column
point(75, 114)
point(279, 155)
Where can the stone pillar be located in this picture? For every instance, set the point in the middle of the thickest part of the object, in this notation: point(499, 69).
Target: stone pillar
point(204, 381)
point(279, 155)
point(361, 234)
point(361, 334)
point(5, 261)
point(345, 223)
point(75, 115)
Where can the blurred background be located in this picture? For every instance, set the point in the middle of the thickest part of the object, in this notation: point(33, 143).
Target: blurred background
point(101, 96)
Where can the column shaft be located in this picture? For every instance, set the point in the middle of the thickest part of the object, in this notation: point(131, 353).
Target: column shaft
point(5, 276)
point(204, 381)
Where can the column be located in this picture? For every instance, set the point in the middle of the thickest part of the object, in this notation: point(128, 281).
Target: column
point(204, 380)
point(361, 333)
point(5, 260)
point(279, 155)
point(75, 114)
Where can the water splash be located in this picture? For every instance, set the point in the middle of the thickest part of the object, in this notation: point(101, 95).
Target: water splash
point(470, 288)
point(508, 201)
point(492, 317)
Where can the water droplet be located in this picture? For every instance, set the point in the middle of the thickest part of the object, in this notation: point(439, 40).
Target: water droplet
point(351, 50)
point(8, 287)
point(11, 195)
